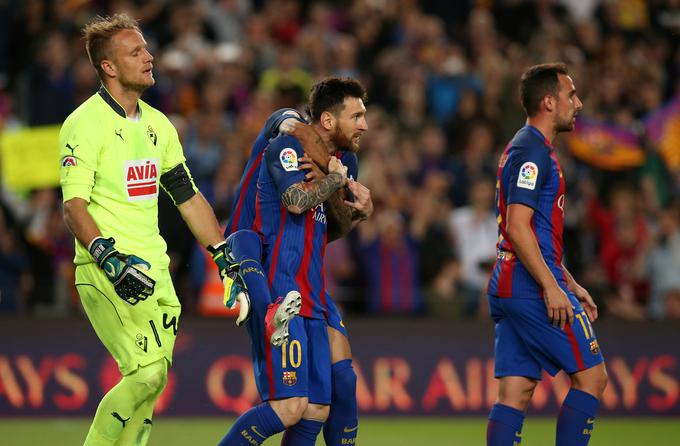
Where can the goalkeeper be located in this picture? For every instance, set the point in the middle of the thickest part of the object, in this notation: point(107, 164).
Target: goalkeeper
point(116, 151)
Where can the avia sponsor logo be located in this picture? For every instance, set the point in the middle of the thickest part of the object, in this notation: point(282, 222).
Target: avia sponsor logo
point(141, 179)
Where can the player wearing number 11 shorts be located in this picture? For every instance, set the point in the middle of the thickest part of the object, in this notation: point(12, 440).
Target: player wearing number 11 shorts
point(543, 316)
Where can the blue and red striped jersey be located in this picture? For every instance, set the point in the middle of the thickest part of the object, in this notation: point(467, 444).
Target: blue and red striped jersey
point(294, 245)
point(529, 174)
point(243, 211)
point(392, 270)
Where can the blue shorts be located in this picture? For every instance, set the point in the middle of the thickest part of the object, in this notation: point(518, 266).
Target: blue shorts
point(334, 317)
point(299, 368)
point(526, 341)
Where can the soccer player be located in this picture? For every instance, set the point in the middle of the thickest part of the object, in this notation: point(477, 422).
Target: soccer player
point(338, 105)
point(532, 297)
point(116, 150)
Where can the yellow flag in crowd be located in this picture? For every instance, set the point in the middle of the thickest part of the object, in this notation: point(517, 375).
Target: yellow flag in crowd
point(30, 157)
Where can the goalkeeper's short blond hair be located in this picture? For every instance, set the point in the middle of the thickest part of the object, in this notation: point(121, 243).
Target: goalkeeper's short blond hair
point(98, 34)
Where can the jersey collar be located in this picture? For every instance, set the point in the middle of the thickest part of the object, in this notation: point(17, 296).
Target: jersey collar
point(538, 133)
point(104, 93)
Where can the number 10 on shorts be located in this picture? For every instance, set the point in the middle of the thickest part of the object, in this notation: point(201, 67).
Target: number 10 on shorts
point(291, 353)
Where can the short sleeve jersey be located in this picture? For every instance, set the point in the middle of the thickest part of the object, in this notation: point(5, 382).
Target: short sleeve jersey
point(294, 244)
point(529, 174)
point(243, 211)
point(115, 164)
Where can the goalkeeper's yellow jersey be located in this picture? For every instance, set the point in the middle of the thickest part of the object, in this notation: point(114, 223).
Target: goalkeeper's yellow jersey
point(115, 164)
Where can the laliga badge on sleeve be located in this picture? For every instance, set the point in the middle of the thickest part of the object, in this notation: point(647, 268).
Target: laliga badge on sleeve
point(288, 158)
point(69, 161)
point(528, 174)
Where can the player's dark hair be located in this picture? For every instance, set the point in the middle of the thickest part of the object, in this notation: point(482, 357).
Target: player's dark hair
point(539, 81)
point(98, 34)
point(330, 93)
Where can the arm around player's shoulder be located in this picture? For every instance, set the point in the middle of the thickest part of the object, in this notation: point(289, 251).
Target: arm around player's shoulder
point(271, 126)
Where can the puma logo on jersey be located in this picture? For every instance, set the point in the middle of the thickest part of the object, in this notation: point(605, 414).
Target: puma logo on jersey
point(141, 179)
point(69, 160)
point(119, 418)
point(119, 133)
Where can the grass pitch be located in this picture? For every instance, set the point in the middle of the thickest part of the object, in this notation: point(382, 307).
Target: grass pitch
point(394, 431)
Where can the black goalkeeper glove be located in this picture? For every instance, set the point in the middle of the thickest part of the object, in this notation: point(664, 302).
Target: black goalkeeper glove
point(235, 289)
point(124, 271)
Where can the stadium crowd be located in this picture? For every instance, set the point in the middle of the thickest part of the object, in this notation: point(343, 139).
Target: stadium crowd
point(442, 79)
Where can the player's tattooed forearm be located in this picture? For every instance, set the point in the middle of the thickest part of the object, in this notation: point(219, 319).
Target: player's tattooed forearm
point(339, 217)
point(302, 197)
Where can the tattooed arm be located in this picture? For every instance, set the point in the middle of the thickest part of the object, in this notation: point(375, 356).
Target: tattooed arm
point(301, 196)
point(344, 215)
point(338, 213)
point(339, 216)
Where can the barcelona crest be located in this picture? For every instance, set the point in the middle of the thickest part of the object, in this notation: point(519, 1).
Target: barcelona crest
point(594, 347)
point(289, 378)
point(152, 135)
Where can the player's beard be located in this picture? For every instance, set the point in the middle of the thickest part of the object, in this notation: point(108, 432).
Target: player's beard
point(136, 85)
point(342, 142)
point(565, 125)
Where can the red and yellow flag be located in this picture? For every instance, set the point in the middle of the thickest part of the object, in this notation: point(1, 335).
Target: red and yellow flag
point(606, 146)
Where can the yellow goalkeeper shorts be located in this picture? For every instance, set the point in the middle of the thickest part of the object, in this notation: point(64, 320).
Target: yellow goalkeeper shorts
point(135, 335)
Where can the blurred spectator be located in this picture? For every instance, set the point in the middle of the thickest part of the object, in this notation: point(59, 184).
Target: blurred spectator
point(318, 37)
point(389, 252)
point(345, 57)
point(433, 154)
point(51, 250)
point(203, 150)
point(663, 266)
point(477, 159)
point(227, 17)
point(475, 232)
point(50, 87)
point(623, 235)
point(14, 268)
point(286, 71)
point(439, 272)
point(339, 270)
point(469, 111)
